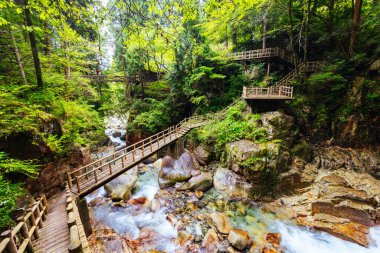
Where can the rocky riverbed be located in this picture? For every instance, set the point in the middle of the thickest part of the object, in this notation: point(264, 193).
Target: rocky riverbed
point(318, 199)
point(206, 213)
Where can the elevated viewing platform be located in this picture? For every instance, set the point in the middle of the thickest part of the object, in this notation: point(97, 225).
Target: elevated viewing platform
point(268, 93)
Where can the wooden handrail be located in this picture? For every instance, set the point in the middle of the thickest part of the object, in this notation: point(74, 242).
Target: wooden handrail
point(268, 92)
point(26, 228)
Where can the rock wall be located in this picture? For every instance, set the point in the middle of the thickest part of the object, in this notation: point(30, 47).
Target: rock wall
point(53, 175)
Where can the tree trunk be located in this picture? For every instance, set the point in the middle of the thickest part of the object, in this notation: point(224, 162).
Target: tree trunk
point(290, 15)
point(355, 25)
point(33, 45)
point(305, 55)
point(265, 33)
point(48, 43)
point(141, 77)
point(18, 57)
point(330, 22)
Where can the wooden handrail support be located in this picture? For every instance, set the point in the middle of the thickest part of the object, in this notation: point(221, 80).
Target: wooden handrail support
point(78, 240)
point(26, 229)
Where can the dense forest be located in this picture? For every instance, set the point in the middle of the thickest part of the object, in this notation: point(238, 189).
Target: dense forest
point(173, 56)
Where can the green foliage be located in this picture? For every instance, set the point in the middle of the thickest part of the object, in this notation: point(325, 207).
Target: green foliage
point(235, 126)
point(10, 188)
point(148, 116)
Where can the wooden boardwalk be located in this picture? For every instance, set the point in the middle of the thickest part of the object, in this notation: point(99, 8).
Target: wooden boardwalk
point(90, 177)
point(54, 236)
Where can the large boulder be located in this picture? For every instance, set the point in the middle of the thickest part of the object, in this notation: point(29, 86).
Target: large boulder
point(174, 171)
point(230, 183)
point(279, 126)
point(220, 221)
point(239, 238)
point(120, 188)
point(202, 155)
point(201, 182)
point(252, 159)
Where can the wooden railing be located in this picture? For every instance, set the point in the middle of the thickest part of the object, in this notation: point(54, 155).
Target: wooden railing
point(265, 53)
point(273, 92)
point(19, 239)
point(78, 240)
point(111, 78)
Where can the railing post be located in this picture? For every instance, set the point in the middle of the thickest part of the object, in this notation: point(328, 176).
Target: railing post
point(44, 202)
point(69, 180)
point(96, 176)
point(77, 180)
point(133, 153)
point(142, 149)
point(150, 140)
point(38, 215)
point(32, 222)
point(25, 234)
point(110, 168)
point(122, 161)
point(279, 91)
point(11, 246)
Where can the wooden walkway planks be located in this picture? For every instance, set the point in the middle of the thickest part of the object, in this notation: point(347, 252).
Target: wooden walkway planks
point(54, 236)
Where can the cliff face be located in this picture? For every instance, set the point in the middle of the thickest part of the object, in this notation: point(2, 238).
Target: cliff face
point(341, 107)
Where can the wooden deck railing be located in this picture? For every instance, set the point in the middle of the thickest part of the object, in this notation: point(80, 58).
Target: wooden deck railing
point(19, 239)
point(273, 92)
point(265, 53)
point(111, 78)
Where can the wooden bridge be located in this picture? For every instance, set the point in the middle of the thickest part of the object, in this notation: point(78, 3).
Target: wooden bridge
point(111, 78)
point(85, 180)
point(281, 90)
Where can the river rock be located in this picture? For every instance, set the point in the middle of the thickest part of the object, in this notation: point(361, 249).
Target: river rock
point(220, 221)
point(202, 155)
point(157, 164)
point(116, 134)
point(201, 182)
point(120, 188)
point(211, 241)
point(239, 238)
point(173, 171)
point(230, 183)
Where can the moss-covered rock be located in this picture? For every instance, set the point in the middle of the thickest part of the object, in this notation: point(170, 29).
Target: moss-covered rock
point(303, 150)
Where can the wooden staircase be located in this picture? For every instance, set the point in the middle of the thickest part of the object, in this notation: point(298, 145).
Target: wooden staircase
point(54, 236)
point(281, 89)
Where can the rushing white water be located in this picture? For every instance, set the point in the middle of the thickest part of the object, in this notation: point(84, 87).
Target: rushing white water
point(299, 240)
point(116, 124)
point(131, 221)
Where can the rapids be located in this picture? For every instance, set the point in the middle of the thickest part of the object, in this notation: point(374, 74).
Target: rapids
point(152, 230)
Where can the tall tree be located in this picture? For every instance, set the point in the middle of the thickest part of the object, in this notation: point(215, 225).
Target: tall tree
point(355, 25)
point(33, 44)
